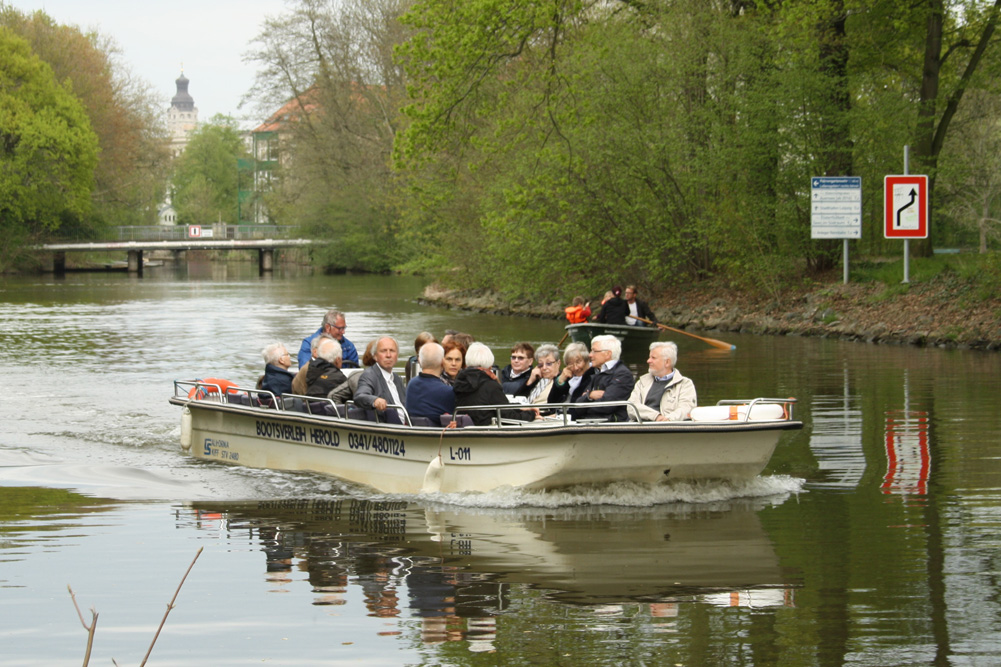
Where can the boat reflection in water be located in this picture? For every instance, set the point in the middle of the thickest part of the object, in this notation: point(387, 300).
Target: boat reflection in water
point(457, 568)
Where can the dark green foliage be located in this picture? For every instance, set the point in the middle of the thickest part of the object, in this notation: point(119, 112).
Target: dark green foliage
point(47, 151)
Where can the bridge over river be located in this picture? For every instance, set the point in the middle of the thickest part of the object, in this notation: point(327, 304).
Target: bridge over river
point(139, 239)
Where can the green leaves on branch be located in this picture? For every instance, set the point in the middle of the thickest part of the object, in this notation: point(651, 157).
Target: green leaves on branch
point(47, 148)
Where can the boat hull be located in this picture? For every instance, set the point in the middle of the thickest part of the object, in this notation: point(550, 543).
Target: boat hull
point(635, 340)
point(397, 459)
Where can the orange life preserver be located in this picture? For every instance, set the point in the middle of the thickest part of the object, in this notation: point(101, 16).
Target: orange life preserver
point(577, 314)
point(215, 385)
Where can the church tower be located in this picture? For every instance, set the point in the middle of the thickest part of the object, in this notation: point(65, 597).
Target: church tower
point(182, 117)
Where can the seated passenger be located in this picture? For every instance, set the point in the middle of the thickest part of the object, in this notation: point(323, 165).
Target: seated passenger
point(453, 361)
point(573, 380)
point(638, 309)
point(277, 378)
point(514, 376)
point(379, 386)
point(427, 395)
point(324, 372)
point(333, 324)
point(477, 384)
point(663, 394)
point(578, 311)
point(413, 363)
point(299, 381)
point(345, 391)
point(547, 366)
point(613, 309)
point(611, 382)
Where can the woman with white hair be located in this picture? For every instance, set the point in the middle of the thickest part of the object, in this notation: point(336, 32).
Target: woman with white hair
point(476, 384)
point(547, 367)
point(575, 377)
point(277, 378)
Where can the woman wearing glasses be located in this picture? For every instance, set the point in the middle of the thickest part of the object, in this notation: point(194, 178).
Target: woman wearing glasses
point(541, 379)
point(514, 376)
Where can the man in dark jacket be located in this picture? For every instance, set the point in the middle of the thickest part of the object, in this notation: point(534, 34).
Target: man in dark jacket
point(324, 372)
point(379, 386)
point(514, 376)
point(612, 382)
point(277, 379)
point(638, 308)
point(477, 385)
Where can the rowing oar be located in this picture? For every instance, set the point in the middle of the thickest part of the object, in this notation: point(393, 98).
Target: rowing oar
point(560, 344)
point(712, 341)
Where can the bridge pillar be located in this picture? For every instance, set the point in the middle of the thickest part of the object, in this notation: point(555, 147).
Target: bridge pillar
point(59, 263)
point(136, 262)
point(266, 260)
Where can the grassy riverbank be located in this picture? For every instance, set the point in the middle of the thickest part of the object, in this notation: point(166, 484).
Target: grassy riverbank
point(950, 301)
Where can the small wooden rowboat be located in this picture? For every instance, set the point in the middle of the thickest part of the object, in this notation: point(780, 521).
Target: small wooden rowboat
point(253, 428)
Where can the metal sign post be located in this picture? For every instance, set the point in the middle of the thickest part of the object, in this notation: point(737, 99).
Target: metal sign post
point(836, 210)
point(905, 217)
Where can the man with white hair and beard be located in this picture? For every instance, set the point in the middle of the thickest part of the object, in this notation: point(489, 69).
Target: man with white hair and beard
point(612, 382)
point(663, 394)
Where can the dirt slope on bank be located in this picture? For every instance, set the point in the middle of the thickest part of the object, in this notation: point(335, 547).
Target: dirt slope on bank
point(943, 312)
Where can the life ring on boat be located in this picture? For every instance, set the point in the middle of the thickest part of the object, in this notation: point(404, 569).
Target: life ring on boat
point(720, 413)
point(213, 385)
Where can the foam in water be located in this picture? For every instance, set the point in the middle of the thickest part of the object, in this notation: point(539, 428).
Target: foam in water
point(625, 494)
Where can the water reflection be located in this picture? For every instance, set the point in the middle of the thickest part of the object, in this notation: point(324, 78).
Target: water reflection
point(456, 569)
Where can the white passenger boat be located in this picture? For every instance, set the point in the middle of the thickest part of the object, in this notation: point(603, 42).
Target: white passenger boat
point(252, 428)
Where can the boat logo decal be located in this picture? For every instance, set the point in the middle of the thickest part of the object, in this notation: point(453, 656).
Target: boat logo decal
point(219, 449)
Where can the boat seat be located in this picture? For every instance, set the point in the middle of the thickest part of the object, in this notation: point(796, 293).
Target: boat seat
point(460, 420)
point(294, 404)
point(238, 399)
point(325, 408)
point(358, 413)
point(421, 421)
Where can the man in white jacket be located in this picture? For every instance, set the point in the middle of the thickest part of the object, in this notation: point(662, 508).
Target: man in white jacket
point(663, 394)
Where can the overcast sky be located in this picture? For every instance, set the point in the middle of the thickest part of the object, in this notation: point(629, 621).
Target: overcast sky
point(209, 37)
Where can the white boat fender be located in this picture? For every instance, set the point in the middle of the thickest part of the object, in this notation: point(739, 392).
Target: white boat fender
point(186, 429)
point(433, 475)
point(719, 413)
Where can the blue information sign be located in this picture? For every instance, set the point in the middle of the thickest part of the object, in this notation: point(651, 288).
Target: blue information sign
point(836, 207)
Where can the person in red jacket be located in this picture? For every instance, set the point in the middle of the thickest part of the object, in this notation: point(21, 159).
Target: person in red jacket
point(578, 311)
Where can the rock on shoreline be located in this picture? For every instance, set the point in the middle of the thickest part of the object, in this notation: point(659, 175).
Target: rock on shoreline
point(940, 313)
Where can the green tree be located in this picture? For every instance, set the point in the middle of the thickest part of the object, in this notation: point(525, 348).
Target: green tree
point(131, 172)
point(47, 150)
point(205, 179)
point(329, 69)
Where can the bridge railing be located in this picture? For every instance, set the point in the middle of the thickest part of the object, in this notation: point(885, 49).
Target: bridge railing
point(190, 232)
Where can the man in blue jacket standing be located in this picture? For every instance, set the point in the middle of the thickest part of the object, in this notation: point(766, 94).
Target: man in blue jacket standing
point(333, 324)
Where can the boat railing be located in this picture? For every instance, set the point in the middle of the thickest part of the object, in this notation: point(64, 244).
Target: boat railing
point(786, 404)
point(560, 410)
point(215, 391)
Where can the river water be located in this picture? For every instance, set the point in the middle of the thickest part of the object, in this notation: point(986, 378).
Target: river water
point(872, 538)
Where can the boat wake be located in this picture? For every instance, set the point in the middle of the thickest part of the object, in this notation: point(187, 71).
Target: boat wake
point(624, 494)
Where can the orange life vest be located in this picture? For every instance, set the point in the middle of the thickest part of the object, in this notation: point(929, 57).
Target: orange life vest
point(577, 314)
